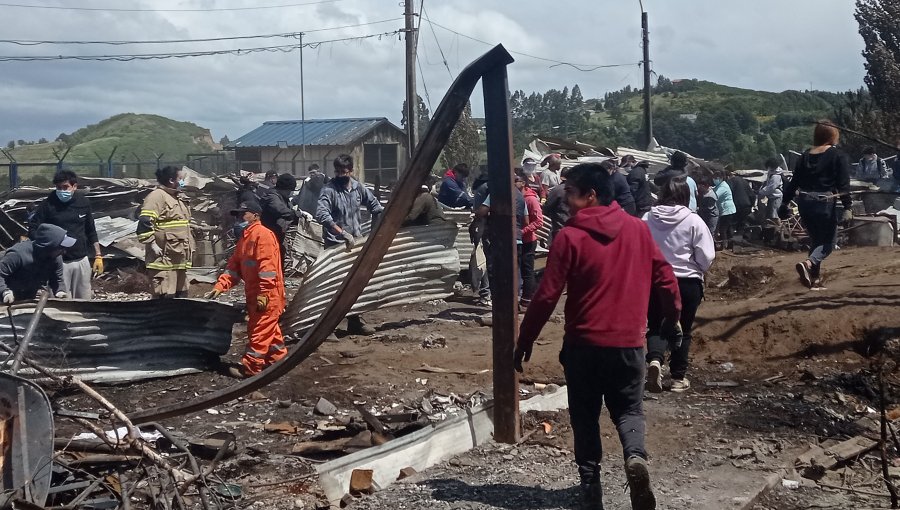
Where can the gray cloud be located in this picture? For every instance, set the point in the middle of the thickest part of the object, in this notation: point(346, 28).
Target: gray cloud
point(741, 44)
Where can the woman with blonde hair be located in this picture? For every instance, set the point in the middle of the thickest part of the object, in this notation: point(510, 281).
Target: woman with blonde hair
point(821, 179)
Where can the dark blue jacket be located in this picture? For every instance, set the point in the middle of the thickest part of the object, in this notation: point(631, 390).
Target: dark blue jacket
point(453, 191)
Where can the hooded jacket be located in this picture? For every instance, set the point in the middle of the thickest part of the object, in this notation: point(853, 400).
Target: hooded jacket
point(640, 187)
point(610, 264)
point(74, 216)
point(774, 186)
point(623, 193)
point(277, 214)
point(534, 218)
point(683, 238)
point(663, 176)
point(453, 191)
point(28, 266)
point(725, 201)
point(741, 192)
point(826, 172)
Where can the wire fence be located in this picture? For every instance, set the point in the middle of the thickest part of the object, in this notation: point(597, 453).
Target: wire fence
point(14, 174)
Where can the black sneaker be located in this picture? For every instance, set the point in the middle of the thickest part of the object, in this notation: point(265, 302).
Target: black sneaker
point(642, 497)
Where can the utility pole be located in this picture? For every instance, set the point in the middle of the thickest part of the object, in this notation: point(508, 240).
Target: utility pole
point(412, 99)
point(302, 111)
point(648, 115)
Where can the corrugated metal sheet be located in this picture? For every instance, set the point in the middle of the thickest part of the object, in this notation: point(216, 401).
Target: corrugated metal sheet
point(110, 230)
point(421, 265)
point(462, 217)
point(109, 341)
point(316, 132)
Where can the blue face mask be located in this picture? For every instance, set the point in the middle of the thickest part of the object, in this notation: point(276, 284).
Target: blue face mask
point(181, 183)
point(239, 228)
point(63, 195)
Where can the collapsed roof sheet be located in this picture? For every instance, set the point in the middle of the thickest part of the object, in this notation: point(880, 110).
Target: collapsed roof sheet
point(114, 341)
point(421, 265)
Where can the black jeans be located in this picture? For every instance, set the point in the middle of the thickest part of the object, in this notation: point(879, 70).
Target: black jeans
point(820, 219)
point(610, 374)
point(725, 227)
point(691, 295)
point(526, 269)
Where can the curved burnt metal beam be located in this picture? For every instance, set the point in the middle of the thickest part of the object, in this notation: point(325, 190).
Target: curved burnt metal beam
point(445, 118)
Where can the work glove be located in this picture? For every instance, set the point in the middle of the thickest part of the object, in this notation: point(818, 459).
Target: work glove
point(157, 249)
point(847, 217)
point(262, 302)
point(521, 354)
point(98, 265)
point(349, 240)
point(8, 297)
point(61, 294)
point(213, 294)
point(784, 211)
point(673, 334)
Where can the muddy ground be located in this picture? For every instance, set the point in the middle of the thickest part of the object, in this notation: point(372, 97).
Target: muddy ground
point(775, 369)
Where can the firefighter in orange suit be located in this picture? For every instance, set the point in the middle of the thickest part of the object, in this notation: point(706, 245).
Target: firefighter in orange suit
point(257, 261)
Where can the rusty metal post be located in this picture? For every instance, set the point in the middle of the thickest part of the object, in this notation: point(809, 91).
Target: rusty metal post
point(504, 278)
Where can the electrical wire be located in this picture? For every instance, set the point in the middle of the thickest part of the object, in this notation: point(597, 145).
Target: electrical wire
point(117, 9)
point(293, 35)
point(443, 58)
point(160, 56)
point(580, 67)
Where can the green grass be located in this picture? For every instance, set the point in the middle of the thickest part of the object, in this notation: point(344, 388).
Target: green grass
point(135, 137)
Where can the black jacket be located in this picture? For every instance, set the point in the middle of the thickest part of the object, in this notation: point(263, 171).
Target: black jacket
point(556, 208)
point(75, 216)
point(741, 193)
point(826, 172)
point(623, 193)
point(277, 214)
point(640, 188)
point(24, 269)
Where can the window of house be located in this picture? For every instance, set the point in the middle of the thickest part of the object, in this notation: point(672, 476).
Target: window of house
point(249, 159)
point(380, 162)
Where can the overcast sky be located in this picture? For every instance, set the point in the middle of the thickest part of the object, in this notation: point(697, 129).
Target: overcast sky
point(770, 45)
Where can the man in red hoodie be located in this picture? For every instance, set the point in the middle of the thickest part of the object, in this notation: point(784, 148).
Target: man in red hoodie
point(534, 219)
point(610, 264)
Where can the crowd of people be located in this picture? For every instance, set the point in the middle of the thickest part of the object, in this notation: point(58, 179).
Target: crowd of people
point(650, 271)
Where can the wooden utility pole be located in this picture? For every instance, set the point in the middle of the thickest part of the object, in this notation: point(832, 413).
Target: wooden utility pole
point(412, 99)
point(648, 115)
point(504, 278)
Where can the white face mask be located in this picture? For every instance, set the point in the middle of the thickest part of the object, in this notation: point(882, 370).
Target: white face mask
point(529, 168)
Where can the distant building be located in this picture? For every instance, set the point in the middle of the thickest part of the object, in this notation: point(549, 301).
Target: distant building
point(377, 146)
point(692, 117)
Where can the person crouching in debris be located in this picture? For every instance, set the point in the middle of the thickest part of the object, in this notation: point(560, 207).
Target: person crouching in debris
point(164, 227)
point(688, 245)
point(256, 261)
point(610, 264)
point(338, 212)
point(30, 265)
point(424, 210)
point(821, 178)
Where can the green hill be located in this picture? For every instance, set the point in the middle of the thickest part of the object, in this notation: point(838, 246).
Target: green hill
point(134, 136)
point(711, 120)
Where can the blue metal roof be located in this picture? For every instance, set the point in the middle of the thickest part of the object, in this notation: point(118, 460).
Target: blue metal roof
point(315, 131)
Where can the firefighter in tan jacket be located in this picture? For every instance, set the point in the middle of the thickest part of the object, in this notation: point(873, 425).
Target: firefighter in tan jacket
point(164, 227)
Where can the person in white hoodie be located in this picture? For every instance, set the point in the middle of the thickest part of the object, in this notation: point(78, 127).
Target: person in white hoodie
point(773, 189)
point(687, 244)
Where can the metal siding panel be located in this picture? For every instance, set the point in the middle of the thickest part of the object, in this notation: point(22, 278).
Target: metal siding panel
point(318, 132)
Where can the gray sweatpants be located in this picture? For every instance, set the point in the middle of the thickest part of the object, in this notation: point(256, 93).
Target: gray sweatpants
point(77, 278)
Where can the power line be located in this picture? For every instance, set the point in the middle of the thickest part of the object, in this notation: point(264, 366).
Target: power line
point(160, 56)
point(116, 9)
point(287, 35)
point(580, 67)
point(437, 42)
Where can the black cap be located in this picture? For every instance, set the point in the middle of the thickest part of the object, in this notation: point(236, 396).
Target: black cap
point(248, 206)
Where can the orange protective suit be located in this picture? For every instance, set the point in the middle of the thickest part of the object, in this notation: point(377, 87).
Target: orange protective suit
point(257, 261)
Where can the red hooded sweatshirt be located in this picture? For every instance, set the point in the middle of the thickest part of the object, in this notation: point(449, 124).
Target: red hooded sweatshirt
point(535, 218)
point(610, 264)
